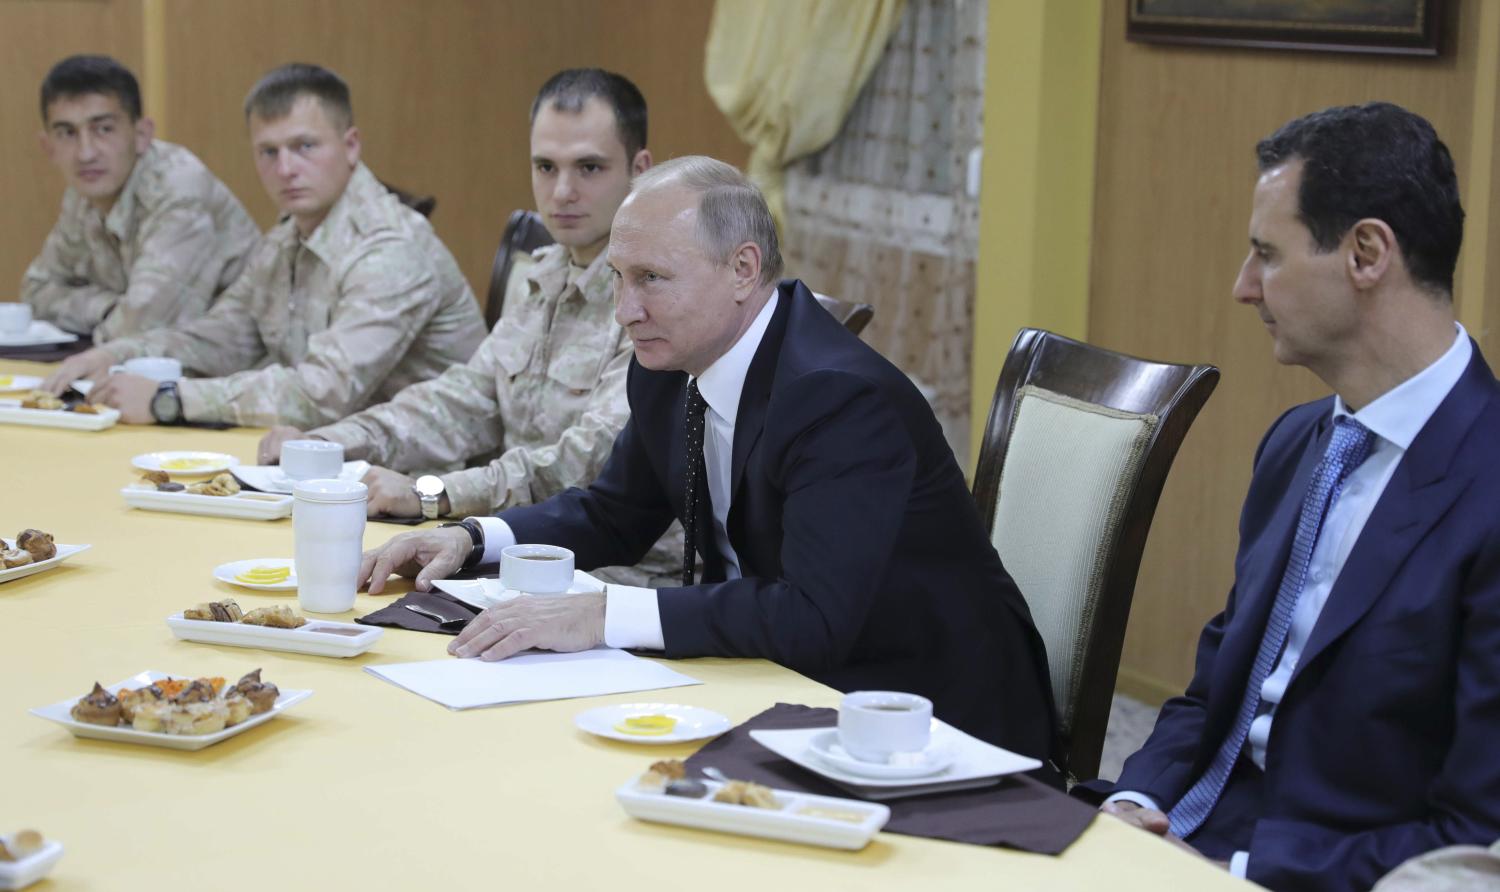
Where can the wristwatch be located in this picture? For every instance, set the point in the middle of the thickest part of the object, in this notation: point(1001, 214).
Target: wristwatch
point(429, 490)
point(476, 539)
point(166, 405)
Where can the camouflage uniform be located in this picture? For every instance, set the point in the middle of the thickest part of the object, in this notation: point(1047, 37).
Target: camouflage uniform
point(174, 240)
point(544, 395)
point(320, 328)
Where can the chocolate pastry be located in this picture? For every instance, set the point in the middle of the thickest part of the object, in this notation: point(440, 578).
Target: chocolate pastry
point(131, 701)
point(225, 611)
point(38, 544)
point(14, 557)
point(99, 707)
point(197, 691)
point(261, 694)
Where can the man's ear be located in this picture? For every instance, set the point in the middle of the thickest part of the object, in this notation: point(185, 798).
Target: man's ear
point(1372, 249)
point(145, 131)
point(745, 264)
point(640, 163)
point(352, 145)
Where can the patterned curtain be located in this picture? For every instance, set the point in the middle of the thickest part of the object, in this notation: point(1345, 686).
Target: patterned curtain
point(882, 215)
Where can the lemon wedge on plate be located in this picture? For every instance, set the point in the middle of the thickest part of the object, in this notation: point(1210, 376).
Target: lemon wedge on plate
point(264, 575)
point(647, 725)
point(188, 464)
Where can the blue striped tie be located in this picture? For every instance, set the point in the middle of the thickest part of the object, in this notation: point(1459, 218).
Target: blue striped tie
point(1348, 449)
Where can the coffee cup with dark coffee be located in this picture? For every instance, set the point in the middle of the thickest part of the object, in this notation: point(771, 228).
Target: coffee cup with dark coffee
point(874, 725)
point(536, 569)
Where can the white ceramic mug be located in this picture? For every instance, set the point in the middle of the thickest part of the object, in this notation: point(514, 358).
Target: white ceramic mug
point(875, 724)
point(328, 524)
point(15, 318)
point(311, 459)
point(157, 368)
point(536, 569)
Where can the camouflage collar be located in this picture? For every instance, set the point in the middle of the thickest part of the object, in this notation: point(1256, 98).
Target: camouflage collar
point(550, 274)
point(120, 217)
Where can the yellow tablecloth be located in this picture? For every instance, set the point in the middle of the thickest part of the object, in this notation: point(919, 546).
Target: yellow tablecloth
point(365, 786)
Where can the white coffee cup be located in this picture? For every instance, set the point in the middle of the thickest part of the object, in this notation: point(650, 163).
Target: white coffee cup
point(536, 569)
point(157, 368)
point(875, 724)
point(15, 318)
point(328, 525)
point(311, 459)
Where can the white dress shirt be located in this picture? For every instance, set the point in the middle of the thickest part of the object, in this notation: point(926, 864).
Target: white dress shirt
point(631, 615)
point(1395, 417)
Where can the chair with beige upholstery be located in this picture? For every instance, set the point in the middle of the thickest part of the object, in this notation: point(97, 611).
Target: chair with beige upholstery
point(1076, 451)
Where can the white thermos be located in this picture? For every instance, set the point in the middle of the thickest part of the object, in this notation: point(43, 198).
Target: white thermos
point(328, 521)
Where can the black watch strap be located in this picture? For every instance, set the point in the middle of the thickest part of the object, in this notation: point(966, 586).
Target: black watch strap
point(476, 537)
point(166, 392)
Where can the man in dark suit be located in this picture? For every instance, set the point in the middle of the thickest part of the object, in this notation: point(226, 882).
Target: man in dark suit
point(837, 536)
point(1344, 713)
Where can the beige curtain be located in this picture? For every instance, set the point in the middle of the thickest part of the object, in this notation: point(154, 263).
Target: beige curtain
point(785, 72)
point(883, 215)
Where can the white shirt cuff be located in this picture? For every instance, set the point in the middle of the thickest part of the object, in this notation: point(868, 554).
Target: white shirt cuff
point(1140, 799)
point(1239, 863)
point(498, 536)
point(631, 617)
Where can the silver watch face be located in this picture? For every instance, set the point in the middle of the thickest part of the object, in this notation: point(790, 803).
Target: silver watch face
point(429, 486)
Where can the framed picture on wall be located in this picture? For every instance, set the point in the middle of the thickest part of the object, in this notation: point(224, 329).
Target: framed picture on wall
point(1402, 27)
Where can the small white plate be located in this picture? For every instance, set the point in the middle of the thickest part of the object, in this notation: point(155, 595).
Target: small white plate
point(227, 572)
point(796, 820)
point(61, 712)
point(924, 764)
point(63, 553)
point(41, 332)
point(487, 592)
point(244, 505)
point(270, 478)
point(188, 464)
point(23, 872)
point(693, 722)
point(318, 637)
point(13, 383)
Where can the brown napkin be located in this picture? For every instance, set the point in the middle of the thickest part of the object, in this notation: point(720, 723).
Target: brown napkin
point(435, 612)
point(1019, 812)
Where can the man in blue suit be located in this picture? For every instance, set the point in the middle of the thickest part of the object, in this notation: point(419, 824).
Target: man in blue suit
point(1344, 713)
point(836, 533)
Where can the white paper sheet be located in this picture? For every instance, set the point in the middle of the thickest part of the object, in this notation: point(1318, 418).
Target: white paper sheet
point(470, 683)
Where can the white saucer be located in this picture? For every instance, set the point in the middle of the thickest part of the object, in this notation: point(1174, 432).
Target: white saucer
point(270, 478)
point(693, 722)
point(924, 764)
point(193, 463)
point(227, 572)
point(483, 593)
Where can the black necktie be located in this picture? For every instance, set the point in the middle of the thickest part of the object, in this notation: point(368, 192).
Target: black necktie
point(693, 458)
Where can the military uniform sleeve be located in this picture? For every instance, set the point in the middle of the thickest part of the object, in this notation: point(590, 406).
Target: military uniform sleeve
point(386, 298)
point(56, 293)
point(526, 475)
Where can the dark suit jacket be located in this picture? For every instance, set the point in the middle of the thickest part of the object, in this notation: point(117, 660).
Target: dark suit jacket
point(865, 564)
point(1387, 742)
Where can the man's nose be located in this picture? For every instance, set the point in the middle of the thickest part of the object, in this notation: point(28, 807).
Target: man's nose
point(284, 164)
point(566, 187)
point(1247, 284)
point(628, 309)
point(88, 147)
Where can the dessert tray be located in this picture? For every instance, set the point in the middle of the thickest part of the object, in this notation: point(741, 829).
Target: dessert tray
point(12, 413)
point(63, 553)
point(243, 505)
point(318, 638)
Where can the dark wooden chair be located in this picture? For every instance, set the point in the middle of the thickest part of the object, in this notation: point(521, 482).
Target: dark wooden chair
point(854, 316)
point(422, 204)
point(524, 233)
point(1075, 454)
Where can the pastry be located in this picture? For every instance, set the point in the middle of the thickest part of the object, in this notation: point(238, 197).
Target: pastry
point(220, 485)
point(14, 557)
point(40, 400)
point(747, 793)
point(225, 611)
point(151, 716)
point(161, 481)
point(239, 709)
point(130, 701)
point(278, 617)
point(38, 544)
point(26, 843)
point(86, 409)
point(261, 694)
point(199, 690)
point(205, 717)
point(99, 707)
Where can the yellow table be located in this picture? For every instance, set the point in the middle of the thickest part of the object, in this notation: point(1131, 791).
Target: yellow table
point(365, 786)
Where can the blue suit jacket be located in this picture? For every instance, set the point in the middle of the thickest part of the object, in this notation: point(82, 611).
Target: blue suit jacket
point(865, 564)
point(1387, 742)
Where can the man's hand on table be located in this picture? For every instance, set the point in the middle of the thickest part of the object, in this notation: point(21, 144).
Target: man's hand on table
point(1152, 821)
point(421, 554)
point(563, 623)
point(131, 394)
point(269, 450)
point(91, 364)
point(391, 494)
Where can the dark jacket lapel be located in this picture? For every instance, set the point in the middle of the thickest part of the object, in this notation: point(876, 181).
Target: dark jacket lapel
point(756, 394)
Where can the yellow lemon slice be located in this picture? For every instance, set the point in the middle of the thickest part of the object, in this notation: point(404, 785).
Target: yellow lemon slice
point(264, 575)
point(188, 464)
point(6, 380)
point(647, 725)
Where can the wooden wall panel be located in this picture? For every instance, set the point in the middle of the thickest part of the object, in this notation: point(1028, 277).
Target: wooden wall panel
point(37, 33)
point(441, 89)
point(1177, 128)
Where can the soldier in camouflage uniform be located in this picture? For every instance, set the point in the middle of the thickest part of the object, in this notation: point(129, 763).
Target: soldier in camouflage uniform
point(544, 396)
point(348, 300)
point(147, 237)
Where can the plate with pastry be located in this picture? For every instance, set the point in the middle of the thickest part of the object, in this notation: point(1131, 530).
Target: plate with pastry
point(38, 408)
point(271, 628)
point(32, 551)
point(219, 496)
point(261, 574)
point(26, 857)
point(187, 463)
point(653, 723)
point(176, 712)
point(10, 383)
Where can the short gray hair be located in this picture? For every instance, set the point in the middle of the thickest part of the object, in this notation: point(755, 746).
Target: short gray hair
point(731, 210)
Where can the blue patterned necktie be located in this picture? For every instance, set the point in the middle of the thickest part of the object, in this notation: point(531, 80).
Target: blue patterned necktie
point(1349, 447)
point(693, 482)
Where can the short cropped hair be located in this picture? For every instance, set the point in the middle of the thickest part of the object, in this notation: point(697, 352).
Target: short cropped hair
point(87, 75)
point(272, 98)
point(1376, 160)
point(568, 90)
point(731, 209)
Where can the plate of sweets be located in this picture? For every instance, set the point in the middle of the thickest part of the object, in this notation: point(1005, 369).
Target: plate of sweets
point(32, 551)
point(179, 713)
point(38, 408)
point(219, 496)
point(25, 857)
point(271, 628)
